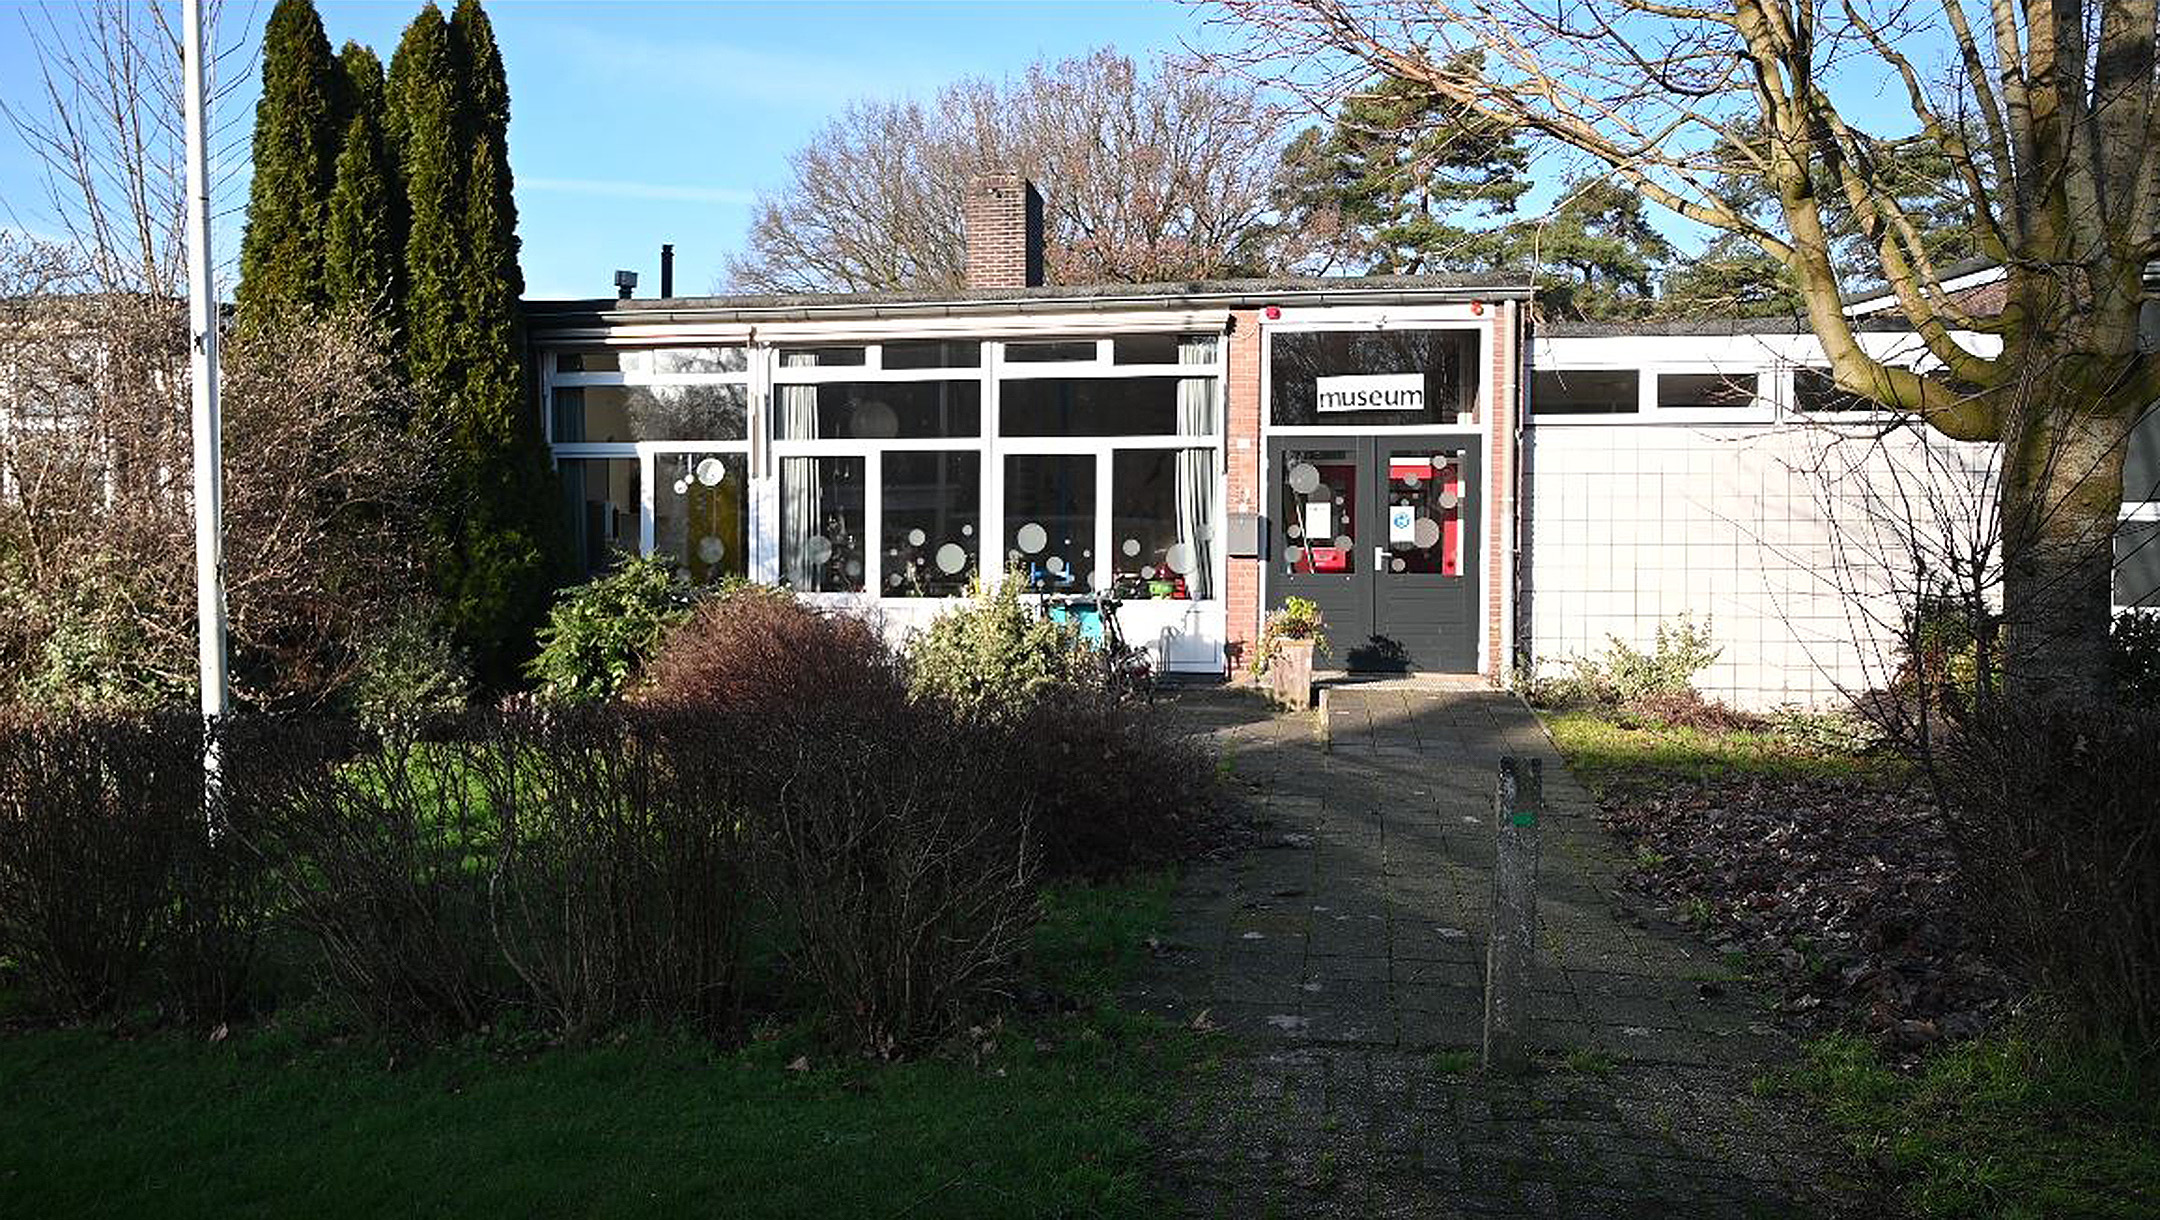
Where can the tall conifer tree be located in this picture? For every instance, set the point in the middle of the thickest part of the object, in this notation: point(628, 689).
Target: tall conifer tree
point(364, 245)
point(295, 151)
point(422, 106)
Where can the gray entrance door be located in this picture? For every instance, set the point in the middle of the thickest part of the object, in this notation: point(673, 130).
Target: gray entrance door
point(1381, 532)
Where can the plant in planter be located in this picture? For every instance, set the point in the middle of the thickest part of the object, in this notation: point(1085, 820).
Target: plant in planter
point(1284, 654)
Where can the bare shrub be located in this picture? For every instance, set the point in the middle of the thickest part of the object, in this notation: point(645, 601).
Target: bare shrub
point(2056, 823)
point(759, 655)
point(619, 877)
point(900, 857)
point(92, 816)
point(1112, 786)
point(382, 851)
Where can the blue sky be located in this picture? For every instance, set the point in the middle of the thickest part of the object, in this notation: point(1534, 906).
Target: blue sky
point(635, 123)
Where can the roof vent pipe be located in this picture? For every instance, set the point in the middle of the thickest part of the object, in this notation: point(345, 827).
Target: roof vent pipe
point(625, 284)
point(667, 271)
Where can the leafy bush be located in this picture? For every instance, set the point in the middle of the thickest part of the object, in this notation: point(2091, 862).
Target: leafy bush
point(994, 658)
point(408, 672)
point(1298, 618)
point(1661, 680)
point(2135, 656)
point(601, 633)
point(2053, 812)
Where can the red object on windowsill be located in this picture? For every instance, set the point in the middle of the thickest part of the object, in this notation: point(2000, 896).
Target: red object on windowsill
point(1328, 558)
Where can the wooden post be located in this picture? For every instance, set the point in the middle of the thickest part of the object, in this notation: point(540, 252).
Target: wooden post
point(1511, 952)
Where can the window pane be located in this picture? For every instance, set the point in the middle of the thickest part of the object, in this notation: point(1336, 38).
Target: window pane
point(1814, 392)
point(933, 354)
point(1319, 522)
point(1425, 495)
point(651, 413)
point(1446, 359)
point(2141, 465)
point(877, 410)
point(820, 357)
point(1144, 349)
point(2137, 564)
point(1050, 519)
point(700, 513)
point(821, 524)
point(932, 502)
point(1117, 406)
point(603, 360)
point(601, 498)
point(668, 361)
point(1586, 392)
point(1162, 524)
point(1699, 391)
point(1055, 351)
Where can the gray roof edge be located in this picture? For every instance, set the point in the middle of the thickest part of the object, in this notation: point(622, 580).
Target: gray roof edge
point(1225, 294)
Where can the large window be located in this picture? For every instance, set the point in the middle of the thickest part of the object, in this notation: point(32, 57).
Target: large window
point(1373, 377)
point(1122, 406)
point(601, 498)
point(1706, 391)
point(821, 524)
point(931, 501)
point(1162, 522)
point(701, 514)
point(1050, 519)
point(625, 413)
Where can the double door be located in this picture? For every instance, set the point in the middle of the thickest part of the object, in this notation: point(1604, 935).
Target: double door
point(1381, 532)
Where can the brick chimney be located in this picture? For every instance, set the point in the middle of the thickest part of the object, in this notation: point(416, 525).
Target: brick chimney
point(1004, 218)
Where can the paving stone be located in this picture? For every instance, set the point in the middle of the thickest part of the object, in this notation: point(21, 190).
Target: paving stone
point(1340, 957)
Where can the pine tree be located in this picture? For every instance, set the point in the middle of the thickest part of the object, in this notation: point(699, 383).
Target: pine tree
point(363, 244)
point(296, 147)
point(421, 105)
point(1597, 254)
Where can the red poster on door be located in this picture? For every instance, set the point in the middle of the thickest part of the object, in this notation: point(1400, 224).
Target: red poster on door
point(1451, 489)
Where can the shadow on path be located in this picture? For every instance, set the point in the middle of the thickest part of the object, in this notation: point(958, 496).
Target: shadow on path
point(1342, 958)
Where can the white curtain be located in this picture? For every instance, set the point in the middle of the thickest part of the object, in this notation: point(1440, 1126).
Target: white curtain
point(800, 507)
point(1198, 414)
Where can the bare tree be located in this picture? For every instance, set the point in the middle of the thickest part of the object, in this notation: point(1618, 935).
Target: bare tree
point(2046, 115)
point(97, 598)
point(1149, 173)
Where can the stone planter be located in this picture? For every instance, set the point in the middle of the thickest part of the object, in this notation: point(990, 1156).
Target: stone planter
point(1289, 674)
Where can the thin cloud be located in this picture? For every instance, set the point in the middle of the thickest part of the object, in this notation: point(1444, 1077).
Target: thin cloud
point(708, 70)
point(613, 188)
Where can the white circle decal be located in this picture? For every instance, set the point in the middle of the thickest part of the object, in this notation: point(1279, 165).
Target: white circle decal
point(1449, 499)
point(1180, 558)
point(1304, 478)
point(817, 550)
point(951, 558)
point(916, 537)
point(1428, 533)
point(1031, 537)
point(711, 471)
point(1054, 565)
point(710, 549)
point(1131, 546)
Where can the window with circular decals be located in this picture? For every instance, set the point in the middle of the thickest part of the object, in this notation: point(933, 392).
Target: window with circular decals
point(932, 500)
point(1319, 513)
point(1426, 495)
point(701, 513)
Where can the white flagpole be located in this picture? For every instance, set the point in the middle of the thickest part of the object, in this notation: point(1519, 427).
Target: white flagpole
point(203, 367)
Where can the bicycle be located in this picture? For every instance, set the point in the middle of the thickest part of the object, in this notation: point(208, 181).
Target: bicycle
point(1128, 672)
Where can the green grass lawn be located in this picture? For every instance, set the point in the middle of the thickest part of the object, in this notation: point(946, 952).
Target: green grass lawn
point(2014, 1125)
point(277, 1121)
point(1610, 757)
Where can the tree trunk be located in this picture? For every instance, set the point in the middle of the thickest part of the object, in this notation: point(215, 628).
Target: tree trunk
point(2060, 496)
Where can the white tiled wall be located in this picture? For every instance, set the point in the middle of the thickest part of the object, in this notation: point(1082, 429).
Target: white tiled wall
point(1785, 536)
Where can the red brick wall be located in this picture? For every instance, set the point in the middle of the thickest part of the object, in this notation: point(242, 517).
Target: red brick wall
point(1243, 404)
point(1500, 478)
point(1003, 216)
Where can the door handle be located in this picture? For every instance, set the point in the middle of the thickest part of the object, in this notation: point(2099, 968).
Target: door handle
point(1379, 559)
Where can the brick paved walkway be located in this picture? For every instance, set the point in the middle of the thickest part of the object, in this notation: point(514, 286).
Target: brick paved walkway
point(1343, 956)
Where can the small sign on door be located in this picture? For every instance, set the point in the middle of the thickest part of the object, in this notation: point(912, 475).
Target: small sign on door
point(1402, 524)
point(1319, 523)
